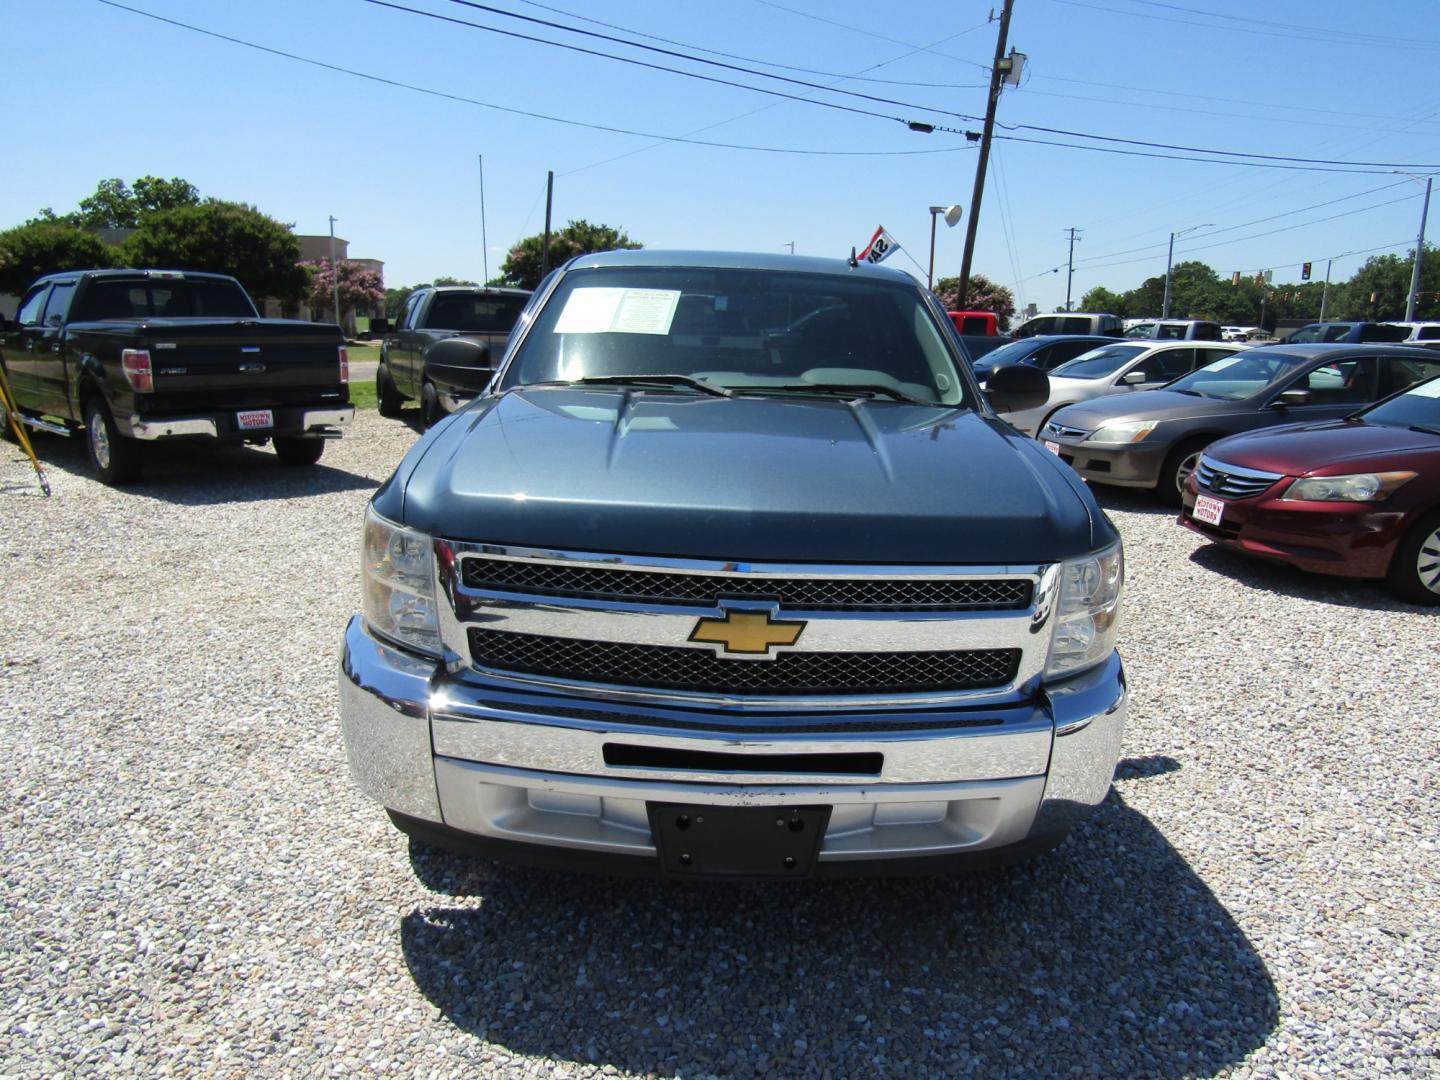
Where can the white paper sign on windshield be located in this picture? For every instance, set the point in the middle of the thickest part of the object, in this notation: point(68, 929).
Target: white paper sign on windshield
point(1221, 365)
point(1430, 389)
point(618, 311)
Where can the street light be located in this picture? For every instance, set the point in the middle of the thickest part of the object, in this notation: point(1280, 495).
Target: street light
point(1170, 258)
point(952, 218)
point(1419, 250)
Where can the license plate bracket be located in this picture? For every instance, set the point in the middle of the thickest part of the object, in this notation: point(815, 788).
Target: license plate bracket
point(737, 841)
point(255, 419)
point(1208, 510)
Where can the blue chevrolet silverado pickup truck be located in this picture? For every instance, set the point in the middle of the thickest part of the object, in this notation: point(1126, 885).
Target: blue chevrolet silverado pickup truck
point(733, 571)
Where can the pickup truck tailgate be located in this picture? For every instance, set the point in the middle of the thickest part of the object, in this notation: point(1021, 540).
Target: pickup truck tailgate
point(241, 363)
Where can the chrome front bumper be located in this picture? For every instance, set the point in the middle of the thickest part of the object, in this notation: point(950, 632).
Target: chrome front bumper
point(533, 768)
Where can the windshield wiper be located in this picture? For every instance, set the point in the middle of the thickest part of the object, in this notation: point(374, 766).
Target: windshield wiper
point(645, 380)
point(1426, 430)
point(1191, 393)
point(867, 390)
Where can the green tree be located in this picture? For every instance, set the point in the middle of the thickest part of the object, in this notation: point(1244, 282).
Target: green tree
point(226, 238)
point(114, 205)
point(31, 251)
point(1101, 299)
point(983, 295)
point(1386, 279)
point(522, 265)
point(452, 281)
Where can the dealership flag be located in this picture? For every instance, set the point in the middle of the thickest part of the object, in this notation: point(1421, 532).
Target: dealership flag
point(881, 246)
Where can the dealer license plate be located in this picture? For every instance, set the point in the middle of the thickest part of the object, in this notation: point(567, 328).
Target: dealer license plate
point(1053, 447)
point(255, 418)
point(1208, 510)
point(738, 841)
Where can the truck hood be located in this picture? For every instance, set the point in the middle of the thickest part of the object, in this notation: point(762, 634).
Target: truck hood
point(743, 478)
point(1298, 449)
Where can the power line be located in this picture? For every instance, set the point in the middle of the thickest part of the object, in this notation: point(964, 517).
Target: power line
point(870, 34)
point(1186, 157)
point(461, 99)
point(1345, 36)
point(773, 63)
point(474, 5)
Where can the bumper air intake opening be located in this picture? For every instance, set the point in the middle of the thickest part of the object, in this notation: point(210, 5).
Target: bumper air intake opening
point(708, 761)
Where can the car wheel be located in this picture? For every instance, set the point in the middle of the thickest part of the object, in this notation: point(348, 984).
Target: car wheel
point(387, 398)
point(1415, 567)
point(298, 449)
point(115, 458)
point(1178, 467)
point(431, 411)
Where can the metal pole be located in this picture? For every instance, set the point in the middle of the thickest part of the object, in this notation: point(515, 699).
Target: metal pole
point(995, 85)
point(484, 240)
point(1169, 258)
point(334, 272)
point(1070, 276)
point(545, 247)
point(1419, 255)
point(930, 273)
point(1325, 292)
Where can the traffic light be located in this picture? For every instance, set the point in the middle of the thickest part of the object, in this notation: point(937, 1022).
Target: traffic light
point(1304, 271)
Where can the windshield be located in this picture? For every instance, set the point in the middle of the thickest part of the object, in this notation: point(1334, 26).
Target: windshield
point(1240, 376)
point(1014, 353)
point(111, 298)
point(1097, 363)
point(742, 329)
point(1419, 406)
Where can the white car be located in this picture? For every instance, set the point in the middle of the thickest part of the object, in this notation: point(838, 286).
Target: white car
point(1118, 368)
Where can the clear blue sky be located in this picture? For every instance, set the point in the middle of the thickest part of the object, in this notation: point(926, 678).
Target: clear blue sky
point(96, 92)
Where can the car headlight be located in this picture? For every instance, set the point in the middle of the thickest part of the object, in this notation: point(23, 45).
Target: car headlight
point(1121, 434)
point(1086, 613)
point(398, 572)
point(1357, 487)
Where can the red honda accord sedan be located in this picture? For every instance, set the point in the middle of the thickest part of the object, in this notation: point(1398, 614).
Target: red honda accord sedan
point(1357, 497)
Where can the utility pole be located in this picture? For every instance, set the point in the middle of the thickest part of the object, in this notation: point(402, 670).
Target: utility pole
point(1070, 274)
point(545, 246)
point(1419, 254)
point(334, 273)
point(1325, 292)
point(996, 82)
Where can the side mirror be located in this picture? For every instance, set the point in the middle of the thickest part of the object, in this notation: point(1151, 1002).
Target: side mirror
point(379, 326)
point(1291, 397)
point(1017, 387)
point(1133, 378)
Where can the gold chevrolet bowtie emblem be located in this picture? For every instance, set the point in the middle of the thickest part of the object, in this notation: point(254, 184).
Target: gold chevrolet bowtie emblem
point(751, 633)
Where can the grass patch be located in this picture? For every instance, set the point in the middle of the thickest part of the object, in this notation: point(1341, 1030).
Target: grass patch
point(360, 354)
point(362, 395)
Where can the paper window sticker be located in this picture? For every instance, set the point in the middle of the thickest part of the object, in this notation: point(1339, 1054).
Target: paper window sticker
point(646, 311)
point(589, 311)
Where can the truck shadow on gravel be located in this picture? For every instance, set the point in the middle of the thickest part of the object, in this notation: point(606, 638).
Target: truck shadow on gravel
point(200, 474)
point(1108, 956)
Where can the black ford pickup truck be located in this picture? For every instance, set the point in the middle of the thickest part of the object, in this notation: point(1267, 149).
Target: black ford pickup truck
point(445, 346)
point(131, 356)
point(733, 571)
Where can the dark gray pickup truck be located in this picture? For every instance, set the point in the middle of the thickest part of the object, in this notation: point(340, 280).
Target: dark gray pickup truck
point(445, 346)
point(733, 571)
point(133, 356)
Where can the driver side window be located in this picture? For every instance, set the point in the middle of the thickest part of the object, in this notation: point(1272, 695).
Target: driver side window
point(34, 303)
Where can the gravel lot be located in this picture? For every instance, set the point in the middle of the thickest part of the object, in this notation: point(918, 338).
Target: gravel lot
point(192, 887)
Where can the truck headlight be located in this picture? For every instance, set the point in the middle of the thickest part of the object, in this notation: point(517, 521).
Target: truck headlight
point(1122, 434)
point(1087, 612)
point(1357, 487)
point(398, 572)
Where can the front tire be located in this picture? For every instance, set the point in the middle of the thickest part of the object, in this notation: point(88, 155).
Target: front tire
point(431, 411)
point(387, 399)
point(1414, 573)
point(298, 450)
point(115, 458)
point(1177, 469)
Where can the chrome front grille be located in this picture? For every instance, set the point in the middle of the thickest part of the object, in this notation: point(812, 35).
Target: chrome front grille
point(1232, 481)
point(678, 668)
point(707, 589)
point(704, 633)
point(1062, 431)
